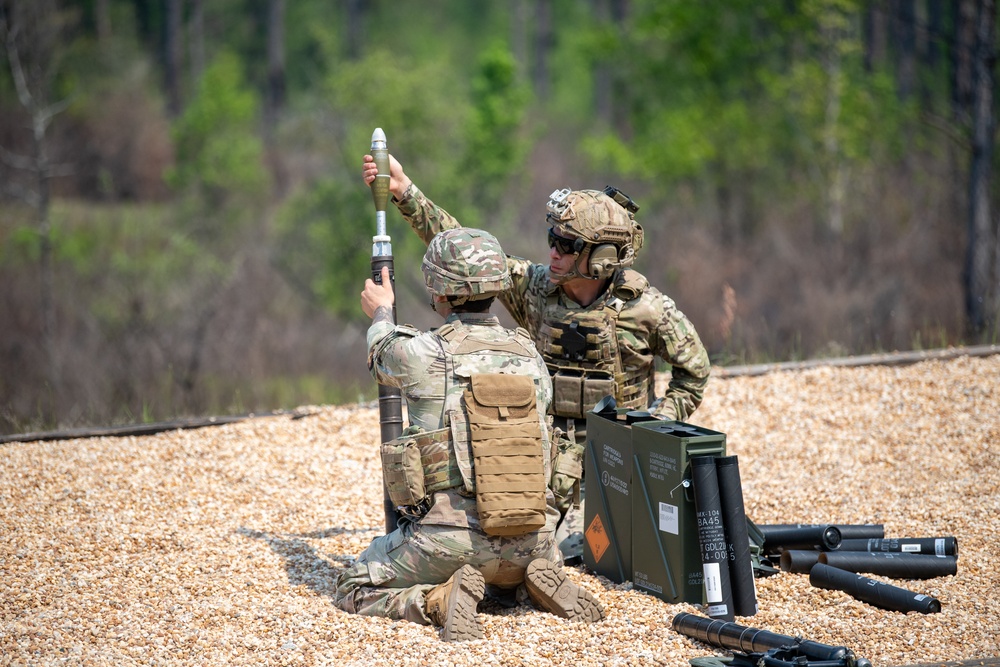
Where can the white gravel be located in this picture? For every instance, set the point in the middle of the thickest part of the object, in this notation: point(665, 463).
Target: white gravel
point(219, 546)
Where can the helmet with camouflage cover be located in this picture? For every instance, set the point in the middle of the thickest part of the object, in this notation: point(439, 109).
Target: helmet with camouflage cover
point(600, 225)
point(465, 264)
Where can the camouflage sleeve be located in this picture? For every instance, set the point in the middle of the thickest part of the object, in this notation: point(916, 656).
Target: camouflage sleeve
point(425, 217)
point(517, 300)
point(391, 349)
point(679, 345)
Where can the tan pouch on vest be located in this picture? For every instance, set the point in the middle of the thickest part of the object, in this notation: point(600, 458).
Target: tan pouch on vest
point(418, 464)
point(574, 395)
point(507, 451)
point(402, 472)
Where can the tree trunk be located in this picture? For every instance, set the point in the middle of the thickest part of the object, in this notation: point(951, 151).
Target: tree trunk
point(874, 28)
point(905, 47)
point(275, 98)
point(354, 27)
point(172, 56)
point(519, 36)
point(981, 256)
point(102, 21)
point(544, 41)
point(30, 41)
point(196, 39)
point(961, 56)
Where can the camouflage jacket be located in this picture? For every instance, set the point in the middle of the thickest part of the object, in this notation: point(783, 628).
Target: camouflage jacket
point(648, 324)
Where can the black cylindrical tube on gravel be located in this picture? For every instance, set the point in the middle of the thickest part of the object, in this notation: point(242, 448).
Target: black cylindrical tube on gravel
point(823, 537)
point(799, 561)
point(750, 640)
point(934, 546)
point(734, 522)
point(712, 538)
point(876, 593)
point(847, 530)
point(894, 565)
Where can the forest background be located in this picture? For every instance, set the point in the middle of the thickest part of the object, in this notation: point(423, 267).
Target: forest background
point(184, 230)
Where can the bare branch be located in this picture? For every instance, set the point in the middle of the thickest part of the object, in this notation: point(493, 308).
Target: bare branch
point(13, 57)
point(29, 197)
point(942, 125)
point(45, 116)
point(16, 161)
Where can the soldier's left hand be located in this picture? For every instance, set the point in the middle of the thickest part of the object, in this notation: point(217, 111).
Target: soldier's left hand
point(375, 295)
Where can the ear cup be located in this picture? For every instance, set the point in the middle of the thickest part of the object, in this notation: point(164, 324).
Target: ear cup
point(603, 260)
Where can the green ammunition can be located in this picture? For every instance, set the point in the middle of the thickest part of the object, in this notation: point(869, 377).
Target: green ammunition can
point(607, 513)
point(666, 553)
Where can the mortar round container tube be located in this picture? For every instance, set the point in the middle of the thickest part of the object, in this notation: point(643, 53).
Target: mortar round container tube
point(934, 546)
point(820, 537)
point(847, 530)
point(734, 523)
point(876, 593)
point(894, 565)
point(712, 538)
point(799, 561)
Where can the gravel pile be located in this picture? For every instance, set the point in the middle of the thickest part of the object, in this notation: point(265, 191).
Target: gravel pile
point(219, 546)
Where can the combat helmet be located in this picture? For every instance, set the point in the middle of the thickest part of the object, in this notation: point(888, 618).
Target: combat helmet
point(601, 227)
point(465, 264)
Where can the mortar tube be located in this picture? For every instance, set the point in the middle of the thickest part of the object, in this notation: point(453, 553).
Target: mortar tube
point(750, 640)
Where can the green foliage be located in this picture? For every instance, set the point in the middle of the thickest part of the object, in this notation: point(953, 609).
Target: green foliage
point(219, 154)
point(496, 145)
point(748, 96)
point(323, 243)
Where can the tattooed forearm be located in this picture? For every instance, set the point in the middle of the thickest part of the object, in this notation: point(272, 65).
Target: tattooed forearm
point(382, 314)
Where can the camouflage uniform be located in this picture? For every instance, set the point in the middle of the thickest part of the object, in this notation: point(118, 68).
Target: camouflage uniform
point(647, 325)
point(393, 575)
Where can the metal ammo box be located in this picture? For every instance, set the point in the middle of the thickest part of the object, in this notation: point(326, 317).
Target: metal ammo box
point(607, 512)
point(666, 554)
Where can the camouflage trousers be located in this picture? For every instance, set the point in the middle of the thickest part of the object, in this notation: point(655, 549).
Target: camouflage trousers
point(569, 532)
point(392, 576)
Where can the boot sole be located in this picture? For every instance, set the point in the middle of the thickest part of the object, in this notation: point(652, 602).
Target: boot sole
point(461, 623)
point(549, 586)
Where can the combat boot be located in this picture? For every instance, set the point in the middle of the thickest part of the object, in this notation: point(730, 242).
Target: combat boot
point(452, 605)
point(550, 588)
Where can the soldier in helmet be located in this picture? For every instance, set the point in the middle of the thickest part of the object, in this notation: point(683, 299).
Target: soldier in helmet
point(598, 324)
point(471, 473)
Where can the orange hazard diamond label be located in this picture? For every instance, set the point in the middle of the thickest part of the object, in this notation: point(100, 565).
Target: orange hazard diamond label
point(597, 538)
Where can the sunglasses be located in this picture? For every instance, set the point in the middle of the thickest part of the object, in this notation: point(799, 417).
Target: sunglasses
point(562, 245)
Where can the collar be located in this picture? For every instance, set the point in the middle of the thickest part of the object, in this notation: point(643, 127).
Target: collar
point(487, 319)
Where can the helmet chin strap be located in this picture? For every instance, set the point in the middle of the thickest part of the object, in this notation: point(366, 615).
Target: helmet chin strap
point(563, 278)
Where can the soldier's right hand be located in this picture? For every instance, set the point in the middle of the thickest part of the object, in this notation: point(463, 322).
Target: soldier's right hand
point(398, 181)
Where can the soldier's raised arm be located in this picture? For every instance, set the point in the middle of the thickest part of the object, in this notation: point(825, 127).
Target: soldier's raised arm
point(424, 216)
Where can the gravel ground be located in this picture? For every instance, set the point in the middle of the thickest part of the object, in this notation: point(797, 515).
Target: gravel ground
point(219, 545)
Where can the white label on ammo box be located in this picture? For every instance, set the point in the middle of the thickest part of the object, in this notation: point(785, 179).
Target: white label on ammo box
point(668, 519)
